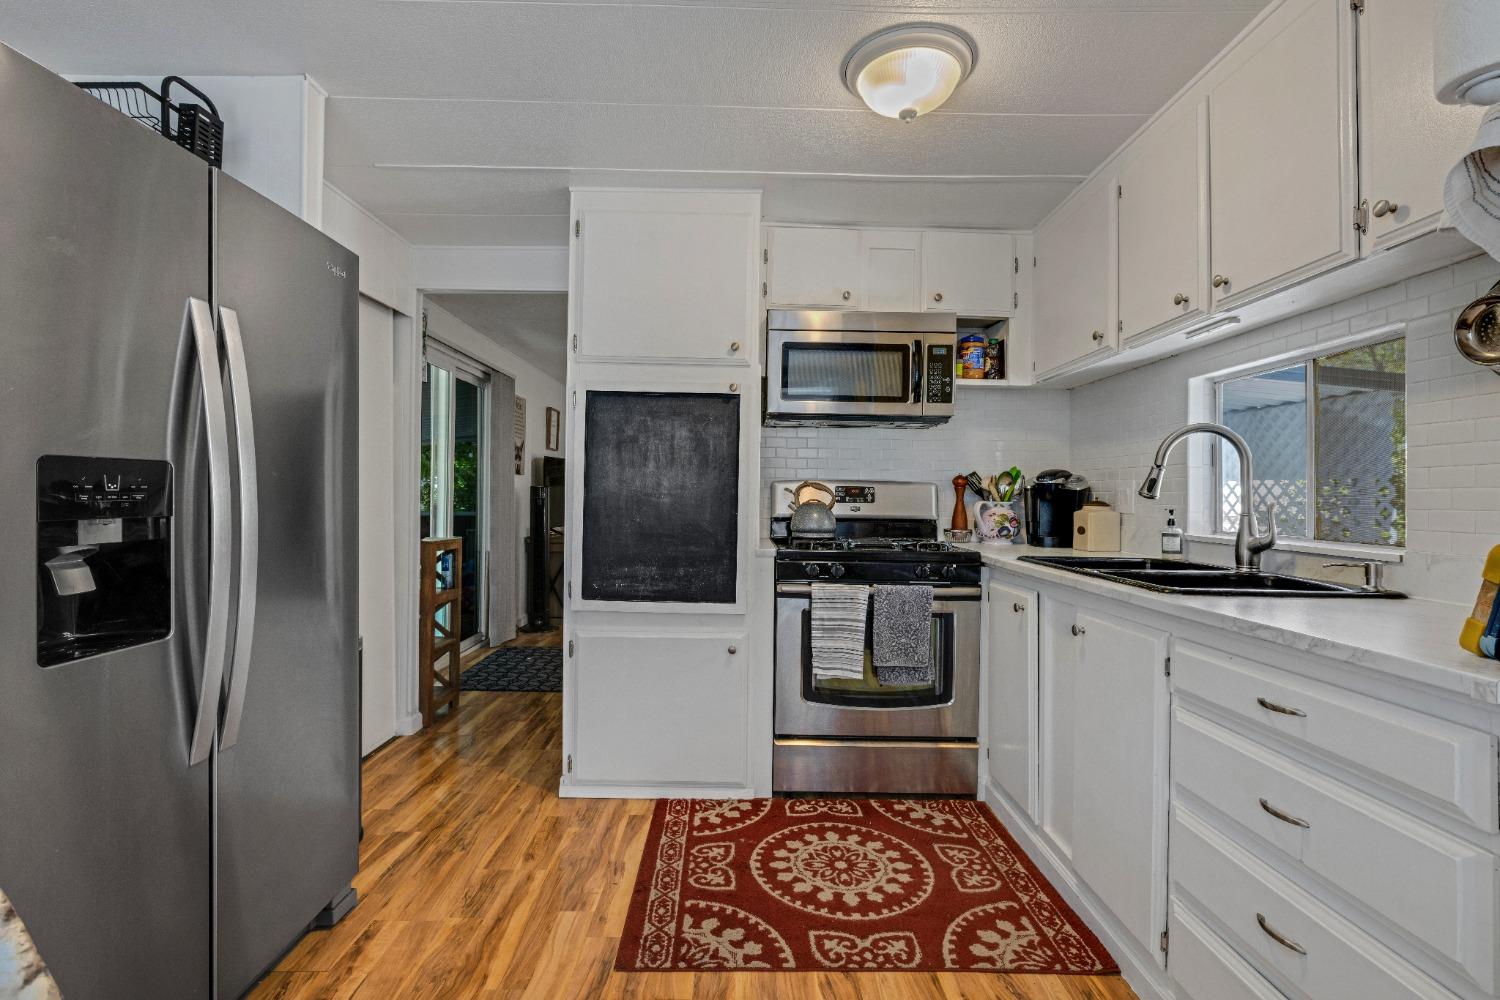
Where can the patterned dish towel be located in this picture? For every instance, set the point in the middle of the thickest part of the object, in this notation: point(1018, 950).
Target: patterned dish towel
point(903, 635)
point(839, 614)
point(1472, 192)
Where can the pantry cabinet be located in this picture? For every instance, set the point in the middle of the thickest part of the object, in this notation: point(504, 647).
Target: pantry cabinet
point(1281, 129)
point(813, 268)
point(1011, 692)
point(1163, 224)
point(664, 275)
point(1408, 141)
point(972, 274)
point(660, 708)
point(1074, 264)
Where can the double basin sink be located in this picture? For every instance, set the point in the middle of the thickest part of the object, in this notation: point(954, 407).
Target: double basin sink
point(1168, 576)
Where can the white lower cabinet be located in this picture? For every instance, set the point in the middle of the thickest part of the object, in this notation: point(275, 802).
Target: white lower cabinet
point(1010, 692)
point(660, 708)
point(1204, 966)
point(1119, 770)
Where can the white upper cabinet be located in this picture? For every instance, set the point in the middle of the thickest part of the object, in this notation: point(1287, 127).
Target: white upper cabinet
point(972, 274)
point(890, 270)
point(1073, 267)
point(1281, 126)
point(1163, 224)
point(1408, 141)
point(813, 268)
point(665, 275)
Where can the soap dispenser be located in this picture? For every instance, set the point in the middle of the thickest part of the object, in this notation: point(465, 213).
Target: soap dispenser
point(1171, 536)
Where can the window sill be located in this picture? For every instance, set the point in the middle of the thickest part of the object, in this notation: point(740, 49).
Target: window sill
point(1339, 550)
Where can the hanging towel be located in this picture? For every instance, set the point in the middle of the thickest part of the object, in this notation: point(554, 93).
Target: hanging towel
point(839, 615)
point(1472, 192)
point(903, 635)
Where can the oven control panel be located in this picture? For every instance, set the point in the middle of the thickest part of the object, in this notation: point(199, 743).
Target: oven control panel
point(939, 380)
point(854, 494)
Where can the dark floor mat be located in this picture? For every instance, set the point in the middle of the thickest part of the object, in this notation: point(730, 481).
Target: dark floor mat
point(516, 668)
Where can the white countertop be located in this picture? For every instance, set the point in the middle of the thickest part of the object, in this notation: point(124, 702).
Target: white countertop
point(1412, 639)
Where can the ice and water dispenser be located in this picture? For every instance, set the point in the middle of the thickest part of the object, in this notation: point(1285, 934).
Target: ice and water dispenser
point(104, 555)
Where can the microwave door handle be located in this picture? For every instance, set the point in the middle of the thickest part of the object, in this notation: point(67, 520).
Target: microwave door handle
point(916, 371)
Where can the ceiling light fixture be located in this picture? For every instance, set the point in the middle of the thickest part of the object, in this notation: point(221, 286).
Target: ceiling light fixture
point(909, 70)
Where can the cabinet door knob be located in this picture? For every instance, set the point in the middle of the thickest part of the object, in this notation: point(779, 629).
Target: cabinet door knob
point(733, 650)
point(1179, 299)
point(1383, 208)
point(734, 387)
point(1220, 281)
point(1018, 607)
point(1098, 336)
point(846, 295)
point(734, 346)
point(1077, 630)
point(937, 296)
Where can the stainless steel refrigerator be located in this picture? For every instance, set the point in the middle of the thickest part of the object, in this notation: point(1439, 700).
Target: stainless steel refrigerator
point(179, 760)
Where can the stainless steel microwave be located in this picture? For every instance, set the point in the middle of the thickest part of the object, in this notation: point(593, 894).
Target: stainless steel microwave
point(842, 369)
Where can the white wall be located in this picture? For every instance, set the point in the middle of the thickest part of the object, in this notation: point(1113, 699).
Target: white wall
point(1453, 421)
point(992, 429)
point(540, 391)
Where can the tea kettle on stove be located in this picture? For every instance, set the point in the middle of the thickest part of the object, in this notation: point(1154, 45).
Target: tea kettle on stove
point(811, 517)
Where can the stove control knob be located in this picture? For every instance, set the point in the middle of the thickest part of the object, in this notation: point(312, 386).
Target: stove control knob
point(923, 571)
point(836, 570)
point(812, 569)
point(950, 571)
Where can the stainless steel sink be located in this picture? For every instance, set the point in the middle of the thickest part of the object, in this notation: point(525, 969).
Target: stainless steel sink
point(1166, 576)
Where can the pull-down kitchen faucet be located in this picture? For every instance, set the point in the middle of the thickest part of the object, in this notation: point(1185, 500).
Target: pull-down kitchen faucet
point(1248, 542)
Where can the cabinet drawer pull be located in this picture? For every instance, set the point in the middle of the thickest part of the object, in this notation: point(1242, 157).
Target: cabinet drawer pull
point(1018, 607)
point(1383, 208)
point(1285, 817)
point(937, 296)
point(1271, 706)
point(1097, 336)
point(1220, 281)
point(735, 649)
point(734, 346)
point(1078, 630)
point(846, 296)
point(1179, 299)
point(1280, 939)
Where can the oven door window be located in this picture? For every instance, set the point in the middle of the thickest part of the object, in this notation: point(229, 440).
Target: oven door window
point(868, 692)
point(846, 373)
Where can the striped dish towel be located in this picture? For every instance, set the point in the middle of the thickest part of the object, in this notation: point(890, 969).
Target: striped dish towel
point(839, 614)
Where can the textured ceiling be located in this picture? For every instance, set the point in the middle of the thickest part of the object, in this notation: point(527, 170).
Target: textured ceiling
point(464, 121)
point(533, 325)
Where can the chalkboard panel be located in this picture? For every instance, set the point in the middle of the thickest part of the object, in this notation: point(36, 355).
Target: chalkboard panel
point(661, 497)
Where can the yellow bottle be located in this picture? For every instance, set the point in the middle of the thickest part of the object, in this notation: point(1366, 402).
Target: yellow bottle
point(1483, 625)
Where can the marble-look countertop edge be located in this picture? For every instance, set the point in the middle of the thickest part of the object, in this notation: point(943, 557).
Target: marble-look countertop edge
point(1413, 639)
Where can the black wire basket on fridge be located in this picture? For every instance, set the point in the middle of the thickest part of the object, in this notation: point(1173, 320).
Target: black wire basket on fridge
point(195, 127)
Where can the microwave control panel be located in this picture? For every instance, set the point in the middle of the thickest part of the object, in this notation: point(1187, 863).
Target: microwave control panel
point(939, 378)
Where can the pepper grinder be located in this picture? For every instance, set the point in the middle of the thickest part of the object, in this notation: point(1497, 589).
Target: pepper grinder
point(960, 511)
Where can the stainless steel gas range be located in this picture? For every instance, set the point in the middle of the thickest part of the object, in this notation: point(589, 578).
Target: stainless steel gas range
point(843, 735)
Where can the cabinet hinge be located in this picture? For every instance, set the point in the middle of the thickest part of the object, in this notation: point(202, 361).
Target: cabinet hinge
point(1015, 300)
point(986, 753)
point(763, 289)
point(1358, 6)
point(1168, 666)
point(1120, 326)
point(1164, 942)
point(1119, 190)
point(1033, 262)
point(577, 228)
point(570, 647)
point(1017, 262)
point(575, 341)
point(574, 404)
point(1362, 217)
point(568, 764)
point(570, 590)
point(765, 256)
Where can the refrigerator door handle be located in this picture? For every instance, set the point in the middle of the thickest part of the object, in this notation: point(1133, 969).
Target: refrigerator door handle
point(249, 518)
point(198, 320)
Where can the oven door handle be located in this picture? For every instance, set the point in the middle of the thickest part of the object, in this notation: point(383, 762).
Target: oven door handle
point(939, 594)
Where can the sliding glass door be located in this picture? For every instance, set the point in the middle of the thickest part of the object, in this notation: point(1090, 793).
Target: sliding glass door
point(455, 423)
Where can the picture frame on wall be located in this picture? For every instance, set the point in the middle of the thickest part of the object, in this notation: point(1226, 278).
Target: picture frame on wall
point(554, 429)
point(520, 441)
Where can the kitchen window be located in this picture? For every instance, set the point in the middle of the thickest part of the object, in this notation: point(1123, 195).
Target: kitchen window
point(1328, 439)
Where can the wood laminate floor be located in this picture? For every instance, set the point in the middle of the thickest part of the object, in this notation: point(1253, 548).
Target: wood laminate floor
point(476, 880)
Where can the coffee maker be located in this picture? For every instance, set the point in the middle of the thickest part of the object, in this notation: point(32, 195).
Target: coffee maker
point(1052, 498)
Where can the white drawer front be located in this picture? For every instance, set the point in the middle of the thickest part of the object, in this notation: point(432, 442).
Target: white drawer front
point(1448, 766)
point(1437, 888)
point(1336, 961)
point(1205, 968)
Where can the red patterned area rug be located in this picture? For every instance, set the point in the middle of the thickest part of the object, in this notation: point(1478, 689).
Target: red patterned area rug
point(847, 884)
